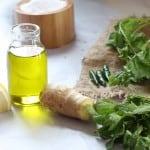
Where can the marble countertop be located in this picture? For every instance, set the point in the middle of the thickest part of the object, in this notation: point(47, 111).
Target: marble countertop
point(32, 128)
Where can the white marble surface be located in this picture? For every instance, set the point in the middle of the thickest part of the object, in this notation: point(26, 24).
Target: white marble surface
point(31, 128)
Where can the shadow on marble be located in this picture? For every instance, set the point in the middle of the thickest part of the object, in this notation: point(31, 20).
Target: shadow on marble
point(6, 116)
point(38, 116)
point(66, 122)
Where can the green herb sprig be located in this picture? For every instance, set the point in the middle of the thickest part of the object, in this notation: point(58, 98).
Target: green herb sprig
point(126, 123)
point(133, 47)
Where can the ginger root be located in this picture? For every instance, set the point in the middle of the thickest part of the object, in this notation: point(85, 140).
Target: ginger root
point(65, 101)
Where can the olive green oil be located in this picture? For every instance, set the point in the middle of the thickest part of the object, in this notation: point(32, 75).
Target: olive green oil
point(27, 74)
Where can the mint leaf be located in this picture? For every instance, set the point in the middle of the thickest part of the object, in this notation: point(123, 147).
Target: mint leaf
point(126, 123)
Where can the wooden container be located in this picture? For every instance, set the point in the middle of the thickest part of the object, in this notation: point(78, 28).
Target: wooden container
point(57, 27)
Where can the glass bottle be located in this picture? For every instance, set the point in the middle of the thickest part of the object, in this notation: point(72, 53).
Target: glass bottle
point(27, 64)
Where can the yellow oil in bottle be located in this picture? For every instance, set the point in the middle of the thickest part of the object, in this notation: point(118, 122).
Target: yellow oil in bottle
point(27, 74)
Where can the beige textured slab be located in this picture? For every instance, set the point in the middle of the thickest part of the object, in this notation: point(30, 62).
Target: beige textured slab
point(96, 57)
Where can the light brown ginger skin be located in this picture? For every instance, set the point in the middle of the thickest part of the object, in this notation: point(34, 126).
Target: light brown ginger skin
point(66, 101)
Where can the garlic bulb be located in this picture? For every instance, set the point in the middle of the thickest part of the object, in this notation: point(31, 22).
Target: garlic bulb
point(5, 102)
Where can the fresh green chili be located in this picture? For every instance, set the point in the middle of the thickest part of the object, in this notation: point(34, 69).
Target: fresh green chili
point(93, 77)
point(106, 72)
point(100, 78)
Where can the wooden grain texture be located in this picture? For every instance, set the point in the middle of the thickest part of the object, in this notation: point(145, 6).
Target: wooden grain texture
point(57, 27)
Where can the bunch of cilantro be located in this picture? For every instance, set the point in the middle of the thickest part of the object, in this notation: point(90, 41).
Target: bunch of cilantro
point(133, 47)
point(126, 123)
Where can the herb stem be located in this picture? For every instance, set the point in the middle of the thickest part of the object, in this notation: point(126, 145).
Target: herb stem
point(127, 40)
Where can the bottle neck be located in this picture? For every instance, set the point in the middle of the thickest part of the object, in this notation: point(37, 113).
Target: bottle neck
point(26, 34)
